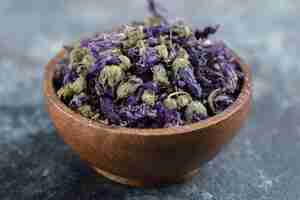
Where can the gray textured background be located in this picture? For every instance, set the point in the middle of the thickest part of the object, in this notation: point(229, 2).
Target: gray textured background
point(261, 163)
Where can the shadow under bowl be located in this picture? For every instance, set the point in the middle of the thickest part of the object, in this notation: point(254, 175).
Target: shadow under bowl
point(146, 157)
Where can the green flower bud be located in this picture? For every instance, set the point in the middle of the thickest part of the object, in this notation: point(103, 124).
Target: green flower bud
point(125, 62)
point(78, 85)
point(129, 87)
point(86, 111)
point(77, 55)
point(164, 40)
point(170, 103)
point(182, 53)
point(182, 30)
point(65, 92)
point(134, 35)
point(142, 46)
point(71, 89)
point(88, 60)
point(183, 100)
point(111, 75)
point(149, 97)
point(85, 64)
point(162, 51)
point(180, 63)
point(194, 108)
point(160, 75)
point(81, 59)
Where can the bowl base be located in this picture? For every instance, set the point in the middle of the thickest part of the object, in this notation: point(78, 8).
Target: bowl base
point(145, 183)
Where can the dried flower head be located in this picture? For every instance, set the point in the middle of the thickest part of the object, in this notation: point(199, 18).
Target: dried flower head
point(73, 88)
point(133, 35)
point(180, 63)
point(111, 75)
point(125, 62)
point(149, 97)
point(128, 88)
point(183, 100)
point(181, 29)
point(160, 75)
point(170, 103)
point(86, 111)
point(195, 111)
point(162, 51)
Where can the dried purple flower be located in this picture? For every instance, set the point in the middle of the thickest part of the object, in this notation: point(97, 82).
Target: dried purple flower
point(147, 60)
point(78, 100)
point(160, 75)
point(149, 74)
point(129, 87)
point(170, 103)
point(187, 76)
point(195, 111)
point(149, 97)
point(111, 76)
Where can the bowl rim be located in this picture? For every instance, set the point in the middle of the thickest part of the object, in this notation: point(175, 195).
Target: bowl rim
point(51, 97)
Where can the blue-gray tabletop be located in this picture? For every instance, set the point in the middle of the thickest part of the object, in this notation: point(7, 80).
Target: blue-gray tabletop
point(261, 163)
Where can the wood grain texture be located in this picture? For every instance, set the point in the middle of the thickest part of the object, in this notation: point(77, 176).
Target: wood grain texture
point(146, 157)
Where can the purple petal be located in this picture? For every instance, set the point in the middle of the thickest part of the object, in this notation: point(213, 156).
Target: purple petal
point(152, 41)
point(151, 86)
point(107, 109)
point(187, 76)
point(78, 101)
point(112, 60)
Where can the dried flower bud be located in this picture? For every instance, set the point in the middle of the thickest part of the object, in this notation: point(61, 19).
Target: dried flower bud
point(88, 60)
point(160, 75)
point(183, 100)
point(182, 53)
point(133, 36)
point(65, 92)
point(162, 51)
point(125, 62)
point(182, 30)
point(149, 97)
point(78, 85)
point(129, 87)
point(86, 111)
point(164, 39)
point(180, 63)
point(85, 64)
point(77, 55)
point(141, 46)
point(70, 89)
point(111, 75)
point(170, 103)
point(195, 111)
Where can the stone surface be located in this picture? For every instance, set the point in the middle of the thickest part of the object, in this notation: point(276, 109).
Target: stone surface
point(261, 163)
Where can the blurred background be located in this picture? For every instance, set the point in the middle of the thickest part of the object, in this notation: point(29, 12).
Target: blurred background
point(262, 162)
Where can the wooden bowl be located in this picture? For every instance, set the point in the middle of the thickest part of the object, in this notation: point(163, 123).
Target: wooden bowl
point(146, 157)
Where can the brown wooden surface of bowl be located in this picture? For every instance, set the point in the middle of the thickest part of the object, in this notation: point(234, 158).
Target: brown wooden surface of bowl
point(146, 157)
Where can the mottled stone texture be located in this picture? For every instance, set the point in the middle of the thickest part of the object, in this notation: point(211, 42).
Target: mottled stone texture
point(261, 163)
